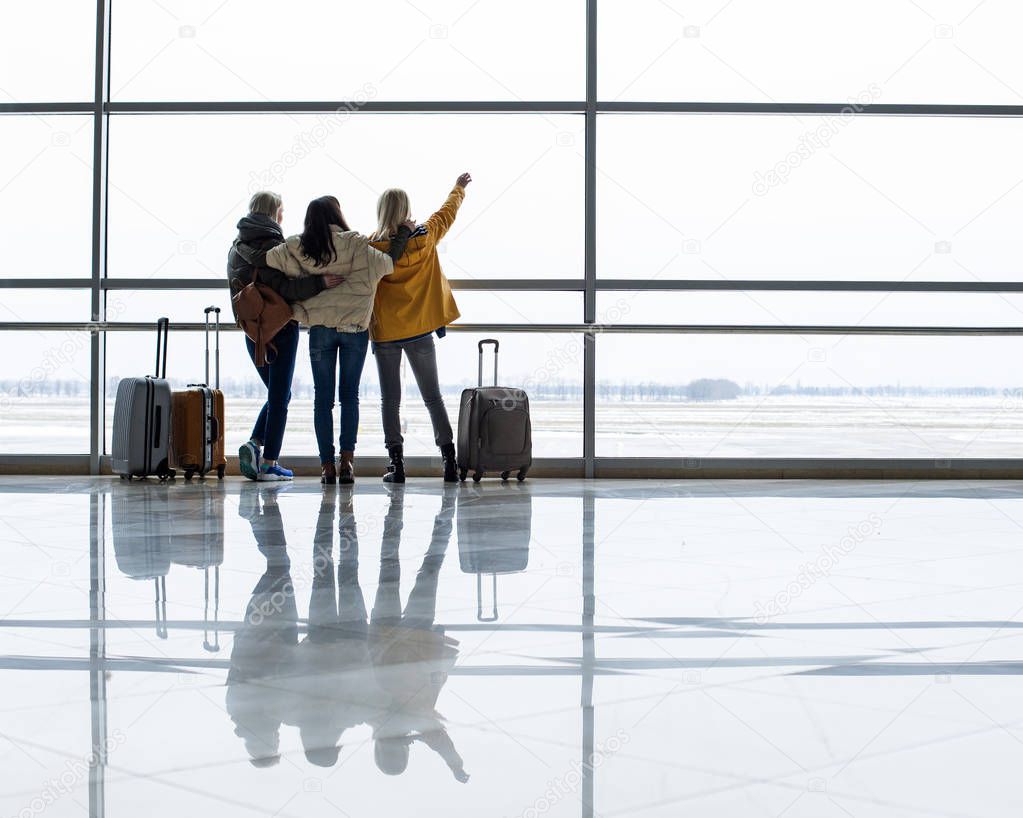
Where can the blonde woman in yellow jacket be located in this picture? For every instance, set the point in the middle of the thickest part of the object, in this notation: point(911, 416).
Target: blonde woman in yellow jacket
point(411, 304)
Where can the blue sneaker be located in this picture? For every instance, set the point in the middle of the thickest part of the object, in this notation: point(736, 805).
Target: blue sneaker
point(274, 472)
point(248, 460)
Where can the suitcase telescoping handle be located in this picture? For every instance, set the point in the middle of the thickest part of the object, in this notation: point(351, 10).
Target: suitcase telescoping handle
point(497, 346)
point(162, 331)
point(216, 313)
point(214, 646)
point(479, 600)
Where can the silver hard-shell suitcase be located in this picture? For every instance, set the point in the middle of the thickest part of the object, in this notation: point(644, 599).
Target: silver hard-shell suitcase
point(494, 429)
point(142, 419)
point(142, 537)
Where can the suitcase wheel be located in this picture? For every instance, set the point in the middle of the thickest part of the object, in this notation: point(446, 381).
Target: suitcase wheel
point(522, 474)
point(220, 471)
point(477, 476)
point(189, 474)
point(505, 475)
point(462, 473)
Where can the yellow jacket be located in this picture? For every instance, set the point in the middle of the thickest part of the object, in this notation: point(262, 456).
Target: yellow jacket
point(416, 298)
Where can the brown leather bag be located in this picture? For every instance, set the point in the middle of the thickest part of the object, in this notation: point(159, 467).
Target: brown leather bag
point(261, 312)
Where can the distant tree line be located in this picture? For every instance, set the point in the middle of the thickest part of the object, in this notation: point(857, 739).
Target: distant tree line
point(702, 389)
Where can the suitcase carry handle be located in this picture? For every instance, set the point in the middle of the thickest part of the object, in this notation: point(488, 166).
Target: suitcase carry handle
point(497, 346)
point(216, 311)
point(479, 599)
point(162, 331)
point(214, 429)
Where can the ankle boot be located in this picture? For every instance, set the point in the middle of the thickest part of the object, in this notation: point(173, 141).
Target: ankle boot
point(396, 470)
point(346, 468)
point(447, 451)
point(328, 474)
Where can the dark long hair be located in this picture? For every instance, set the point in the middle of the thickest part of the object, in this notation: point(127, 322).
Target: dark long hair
point(320, 216)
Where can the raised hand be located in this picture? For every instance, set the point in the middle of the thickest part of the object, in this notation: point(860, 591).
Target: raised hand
point(463, 180)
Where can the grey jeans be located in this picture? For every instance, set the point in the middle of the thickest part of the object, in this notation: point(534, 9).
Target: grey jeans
point(422, 358)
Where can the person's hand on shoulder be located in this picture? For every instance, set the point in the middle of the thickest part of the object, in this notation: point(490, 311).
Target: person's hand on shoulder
point(463, 180)
point(330, 281)
point(411, 225)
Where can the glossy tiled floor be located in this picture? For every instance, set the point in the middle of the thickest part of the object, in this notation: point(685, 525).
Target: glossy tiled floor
point(655, 649)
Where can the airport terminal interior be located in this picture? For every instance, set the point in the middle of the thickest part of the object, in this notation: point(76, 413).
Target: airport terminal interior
point(457, 408)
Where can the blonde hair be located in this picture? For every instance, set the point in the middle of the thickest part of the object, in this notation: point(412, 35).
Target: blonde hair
point(392, 209)
point(266, 203)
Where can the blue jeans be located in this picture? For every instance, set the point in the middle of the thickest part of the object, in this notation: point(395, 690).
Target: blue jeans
point(276, 375)
point(337, 359)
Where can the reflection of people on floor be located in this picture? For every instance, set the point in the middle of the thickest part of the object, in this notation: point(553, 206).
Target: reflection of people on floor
point(265, 643)
point(334, 678)
point(411, 658)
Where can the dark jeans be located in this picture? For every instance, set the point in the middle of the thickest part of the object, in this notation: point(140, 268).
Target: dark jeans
point(422, 357)
point(276, 375)
point(337, 359)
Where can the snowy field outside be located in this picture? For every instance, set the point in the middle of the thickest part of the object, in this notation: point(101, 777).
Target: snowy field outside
point(749, 426)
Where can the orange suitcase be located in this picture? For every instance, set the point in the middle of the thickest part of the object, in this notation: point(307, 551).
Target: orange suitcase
point(197, 419)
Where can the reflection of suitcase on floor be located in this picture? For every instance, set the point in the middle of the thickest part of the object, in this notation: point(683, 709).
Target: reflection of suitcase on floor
point(486, 547)
point(494, 430)
point(142, 420)
point(199, 543)
point(197, 435)
point(141, 529)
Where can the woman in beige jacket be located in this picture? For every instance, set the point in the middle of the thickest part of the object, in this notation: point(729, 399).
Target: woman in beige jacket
point(338, 319)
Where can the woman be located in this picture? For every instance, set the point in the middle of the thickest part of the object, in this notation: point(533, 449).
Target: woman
point(338, 319)
point(411, 305)
point(259, 232)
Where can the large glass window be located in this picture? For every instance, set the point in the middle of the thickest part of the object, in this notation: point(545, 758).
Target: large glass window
point(740, 197)
point(209, 102)
point(48, 51)
point(549, 367)
point(949, 51)
point(815, 396)
point(46, 196)
point(44, 393)
point(427, 50)
point(176, 217)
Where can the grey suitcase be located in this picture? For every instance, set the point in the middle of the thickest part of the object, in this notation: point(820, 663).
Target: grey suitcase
point(494, 430)
point(142, 420)
point(142, 535)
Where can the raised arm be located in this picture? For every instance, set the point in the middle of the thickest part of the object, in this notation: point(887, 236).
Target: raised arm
point(440, 742)
point(440, 222)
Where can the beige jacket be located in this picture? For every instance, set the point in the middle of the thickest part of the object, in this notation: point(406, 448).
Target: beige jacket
point(349, 306)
